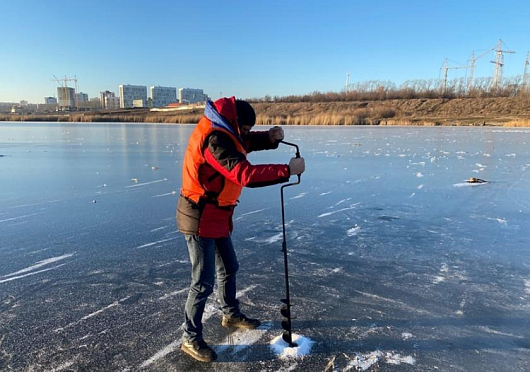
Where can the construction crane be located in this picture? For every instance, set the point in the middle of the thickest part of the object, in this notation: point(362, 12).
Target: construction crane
point(472, 61)
point(63, 83)
point(446, 68)
point(525, 73)
point(499, 64)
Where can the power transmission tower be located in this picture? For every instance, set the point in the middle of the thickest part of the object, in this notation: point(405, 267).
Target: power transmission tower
point(472, 61)
point(525, 74)
point(499, 64)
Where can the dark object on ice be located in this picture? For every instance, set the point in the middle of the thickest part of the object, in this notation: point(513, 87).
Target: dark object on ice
point(476, 180)
point(286, 308)
point(388, 218)
point(240, 322)
point(93, 201)
point(199, 350)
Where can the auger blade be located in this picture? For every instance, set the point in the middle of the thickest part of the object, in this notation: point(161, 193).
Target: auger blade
point(287, 338)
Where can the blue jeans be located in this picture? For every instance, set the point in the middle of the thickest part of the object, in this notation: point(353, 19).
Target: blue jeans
point(207, 257)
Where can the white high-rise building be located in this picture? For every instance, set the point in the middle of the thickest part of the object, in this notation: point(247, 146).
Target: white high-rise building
point(189, 95)
point(130, 93)
point(163, 96)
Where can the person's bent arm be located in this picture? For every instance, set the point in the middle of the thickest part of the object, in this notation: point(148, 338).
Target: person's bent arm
point(264, 140)
point(230, 163)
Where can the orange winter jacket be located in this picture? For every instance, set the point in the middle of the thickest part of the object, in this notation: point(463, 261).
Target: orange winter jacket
point(216, 169)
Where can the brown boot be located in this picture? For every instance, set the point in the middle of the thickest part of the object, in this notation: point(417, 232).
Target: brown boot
point(240, 321)
point(199, 350)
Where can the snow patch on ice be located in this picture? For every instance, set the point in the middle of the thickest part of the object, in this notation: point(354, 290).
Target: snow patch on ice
point(420, 187)
point(159, 228)
point(502, 221)
point(397, 359)
point(166, 194)
point(364, 361)
point(353, 231)
point(406, 335)
point(465, 184)
point(40, 264)
point(340, 202)
point(249, 213)
point(337, 211)
point(438, 279)
point(282, 349)
point(527, 285)
point(489, 330)
point(174, 293)
point(301, 195)
point(273, 239)
point(146, 183)
point(19, 217)
point(325, 193)
point(154, 243)
point(419, 174)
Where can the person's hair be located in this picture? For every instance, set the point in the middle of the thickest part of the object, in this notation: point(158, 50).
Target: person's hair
point(245, 113)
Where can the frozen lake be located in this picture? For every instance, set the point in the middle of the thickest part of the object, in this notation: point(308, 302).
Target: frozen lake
point(396, 263)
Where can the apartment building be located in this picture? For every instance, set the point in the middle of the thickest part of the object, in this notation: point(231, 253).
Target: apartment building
point(163, 96)
point(190, 95)
point(130, 93)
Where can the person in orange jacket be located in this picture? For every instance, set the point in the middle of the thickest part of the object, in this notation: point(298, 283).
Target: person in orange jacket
point(215, 170)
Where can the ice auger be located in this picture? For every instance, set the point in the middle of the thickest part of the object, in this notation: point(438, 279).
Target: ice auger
point(286, 307)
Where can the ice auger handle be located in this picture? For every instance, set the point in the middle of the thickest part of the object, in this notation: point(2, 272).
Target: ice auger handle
point(297, 155)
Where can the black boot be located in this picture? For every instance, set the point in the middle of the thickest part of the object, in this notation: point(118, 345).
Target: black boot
point(240, 321)
point(199, 350)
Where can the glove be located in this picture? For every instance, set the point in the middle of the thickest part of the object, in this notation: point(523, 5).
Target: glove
point(296, 166)
point(275, 134)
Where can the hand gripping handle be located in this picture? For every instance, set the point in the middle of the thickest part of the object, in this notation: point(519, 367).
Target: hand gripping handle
point(297, 155)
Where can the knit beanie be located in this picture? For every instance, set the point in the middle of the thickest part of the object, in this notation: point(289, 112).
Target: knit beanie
point(245, 113)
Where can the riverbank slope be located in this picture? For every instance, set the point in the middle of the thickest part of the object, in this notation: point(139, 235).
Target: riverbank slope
point(511, 111)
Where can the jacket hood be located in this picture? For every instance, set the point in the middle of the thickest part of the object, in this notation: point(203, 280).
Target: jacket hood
point(222, 113)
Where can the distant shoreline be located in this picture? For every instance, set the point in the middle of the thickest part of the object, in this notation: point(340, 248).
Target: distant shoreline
point(506, 111)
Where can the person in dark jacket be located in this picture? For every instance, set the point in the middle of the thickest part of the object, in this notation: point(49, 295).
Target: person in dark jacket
point(215, 170)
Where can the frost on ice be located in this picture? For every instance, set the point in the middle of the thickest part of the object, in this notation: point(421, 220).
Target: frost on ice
point(282, 349)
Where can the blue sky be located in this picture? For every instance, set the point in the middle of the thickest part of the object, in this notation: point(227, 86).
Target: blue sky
point(248, 49)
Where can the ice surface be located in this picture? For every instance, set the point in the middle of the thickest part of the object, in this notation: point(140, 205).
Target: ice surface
point(377, 276)
point(282, 349)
